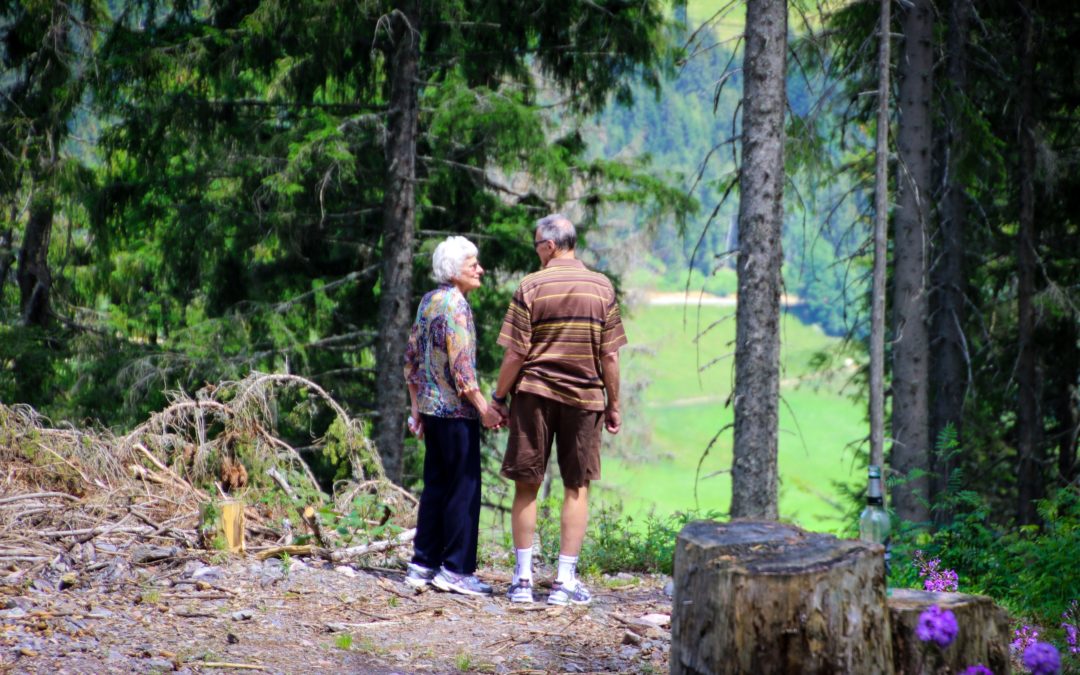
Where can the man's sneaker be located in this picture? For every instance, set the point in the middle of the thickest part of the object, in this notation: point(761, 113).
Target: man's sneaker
point(564, 594)
point(418, 576)
point(520, 591)
point(466, 584)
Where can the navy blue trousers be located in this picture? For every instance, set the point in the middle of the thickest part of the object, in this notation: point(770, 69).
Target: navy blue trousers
point(448, 525)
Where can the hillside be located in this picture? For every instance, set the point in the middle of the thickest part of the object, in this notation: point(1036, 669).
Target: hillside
point(679, 408)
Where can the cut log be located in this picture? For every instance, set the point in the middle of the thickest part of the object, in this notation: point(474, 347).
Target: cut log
point(231, 525)
point(766, 597)
point(983, 636)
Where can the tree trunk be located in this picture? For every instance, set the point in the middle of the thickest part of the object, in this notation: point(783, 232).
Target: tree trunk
point(761, 213)
point(983, 636)
point(1029, 448)
point(35, 280)
point(766, 597)
point(399, 224)
point(7, 256)
point(949, 366)
point(881, 246)
point(1067, 403)
point(910, 448)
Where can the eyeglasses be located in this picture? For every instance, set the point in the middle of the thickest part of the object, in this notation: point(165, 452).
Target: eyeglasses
point(536, 244)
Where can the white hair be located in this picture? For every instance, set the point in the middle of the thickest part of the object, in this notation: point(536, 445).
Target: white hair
point(449, 257)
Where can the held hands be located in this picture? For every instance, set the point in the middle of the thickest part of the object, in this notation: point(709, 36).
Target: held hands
point(494, 416)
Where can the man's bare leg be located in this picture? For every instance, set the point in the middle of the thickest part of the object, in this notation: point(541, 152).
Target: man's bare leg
point(523, 514)
point(575, 518)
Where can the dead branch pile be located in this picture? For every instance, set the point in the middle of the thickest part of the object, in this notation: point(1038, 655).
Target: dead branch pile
point(68, 495)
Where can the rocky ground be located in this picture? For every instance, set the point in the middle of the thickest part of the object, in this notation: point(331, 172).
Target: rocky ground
point(219, 614)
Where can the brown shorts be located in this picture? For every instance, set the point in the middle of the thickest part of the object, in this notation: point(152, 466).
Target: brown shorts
point(536, 421)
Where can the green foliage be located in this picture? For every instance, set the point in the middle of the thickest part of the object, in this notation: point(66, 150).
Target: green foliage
point(1030, 570)
point(366, 519)
point(344, 641)
point(614, 542)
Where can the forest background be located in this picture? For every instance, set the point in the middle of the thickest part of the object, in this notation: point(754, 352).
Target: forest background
point(194, 191)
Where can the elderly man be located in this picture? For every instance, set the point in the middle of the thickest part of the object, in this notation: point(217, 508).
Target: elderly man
point(562, 334)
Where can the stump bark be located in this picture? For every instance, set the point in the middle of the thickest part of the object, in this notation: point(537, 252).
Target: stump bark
point(766, 597)
point(983, 636)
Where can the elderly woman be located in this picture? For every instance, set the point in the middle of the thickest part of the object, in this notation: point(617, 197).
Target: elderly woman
point(447, 408)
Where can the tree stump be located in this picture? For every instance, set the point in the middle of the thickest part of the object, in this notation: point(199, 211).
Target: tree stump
point(765, 597)
point(983, 636)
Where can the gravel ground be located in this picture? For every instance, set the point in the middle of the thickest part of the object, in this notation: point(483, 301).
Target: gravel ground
point(242, 615)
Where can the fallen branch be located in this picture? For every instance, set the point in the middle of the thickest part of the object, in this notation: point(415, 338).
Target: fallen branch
point(141, 529)
point(170, 473)
point(281, 482)
point(39, 495)
point(340, 554)
point(292, 550)
point(295, 454)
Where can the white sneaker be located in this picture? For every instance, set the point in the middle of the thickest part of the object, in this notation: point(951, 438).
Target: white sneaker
point(418, 576)
point(466, 584)
point(520, 591)
point(564, 594)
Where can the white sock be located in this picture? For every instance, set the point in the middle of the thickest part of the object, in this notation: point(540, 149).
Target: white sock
point(523, 568)
point(567, 568)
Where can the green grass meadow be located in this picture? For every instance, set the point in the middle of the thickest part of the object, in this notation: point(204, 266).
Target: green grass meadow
point(674, 412)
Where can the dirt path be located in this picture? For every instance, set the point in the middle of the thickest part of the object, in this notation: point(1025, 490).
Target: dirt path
point(248, 616)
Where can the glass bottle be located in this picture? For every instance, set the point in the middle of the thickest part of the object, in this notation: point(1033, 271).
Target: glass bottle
point(874, 521)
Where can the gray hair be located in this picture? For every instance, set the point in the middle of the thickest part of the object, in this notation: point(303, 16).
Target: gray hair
point(559, 230)
point(449, 257)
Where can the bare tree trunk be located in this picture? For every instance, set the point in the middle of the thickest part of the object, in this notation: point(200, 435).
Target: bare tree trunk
point(399, 225)
point(35, 280)
point(7, 256)
point(1067, 405)
point(949, 368)
point(761, 212)
point(910, 449)
point(1029, 448)
point(881, 252)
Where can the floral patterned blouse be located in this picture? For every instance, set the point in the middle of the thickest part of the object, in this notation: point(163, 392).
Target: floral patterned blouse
point(441, 355)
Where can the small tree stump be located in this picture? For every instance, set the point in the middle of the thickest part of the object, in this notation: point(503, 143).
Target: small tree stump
point(765, 597)
point(983, 636)
point(231, 525)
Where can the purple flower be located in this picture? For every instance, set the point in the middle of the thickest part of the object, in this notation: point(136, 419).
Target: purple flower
point(1071, 637)
point(1042, 658)
point(1023, 638)
point(937, 625)
point(1072, 617)
point(977, 669)
point(936, 579)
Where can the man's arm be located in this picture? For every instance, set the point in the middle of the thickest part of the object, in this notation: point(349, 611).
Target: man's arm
point(612, 416)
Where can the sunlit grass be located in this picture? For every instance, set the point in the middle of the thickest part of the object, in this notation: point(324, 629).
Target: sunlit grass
point(685, 410)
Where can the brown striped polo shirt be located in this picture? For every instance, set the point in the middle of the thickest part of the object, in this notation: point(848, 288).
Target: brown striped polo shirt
point(563, 319)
